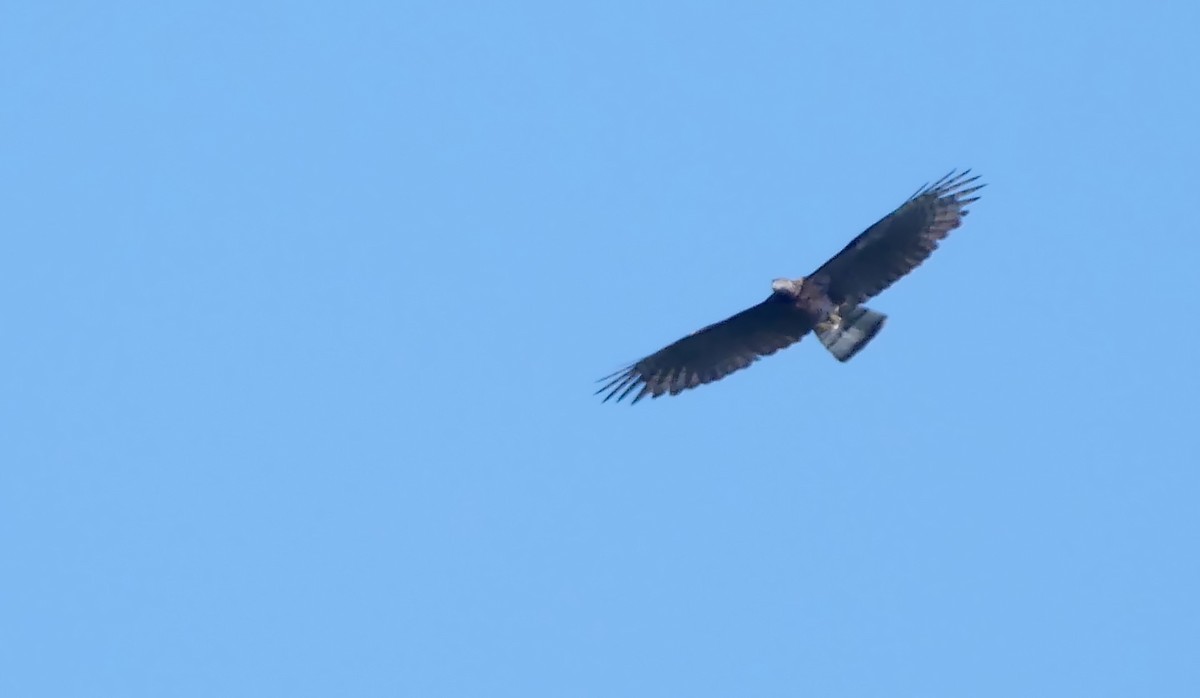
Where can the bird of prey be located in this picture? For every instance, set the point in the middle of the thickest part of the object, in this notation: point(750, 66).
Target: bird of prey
point(827, 302)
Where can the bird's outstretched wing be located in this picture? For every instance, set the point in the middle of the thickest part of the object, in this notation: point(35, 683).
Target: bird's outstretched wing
point(714, 352)
point(900, 241)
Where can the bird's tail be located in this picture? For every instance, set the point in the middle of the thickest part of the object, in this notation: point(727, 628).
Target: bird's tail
point(859, 326)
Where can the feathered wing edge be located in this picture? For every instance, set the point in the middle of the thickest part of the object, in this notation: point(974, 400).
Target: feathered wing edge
point(711, 353)
point(949, 197)
point(950, 184)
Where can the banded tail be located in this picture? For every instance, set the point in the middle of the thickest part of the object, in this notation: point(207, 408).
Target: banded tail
point(859, 326)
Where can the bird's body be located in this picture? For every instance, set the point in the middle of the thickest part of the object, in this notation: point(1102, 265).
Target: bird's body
point(827, 302)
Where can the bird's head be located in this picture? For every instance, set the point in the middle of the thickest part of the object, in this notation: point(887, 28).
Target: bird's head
point(788, 286)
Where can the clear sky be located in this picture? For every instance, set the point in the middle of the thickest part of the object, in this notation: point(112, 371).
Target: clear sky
point(302, 305)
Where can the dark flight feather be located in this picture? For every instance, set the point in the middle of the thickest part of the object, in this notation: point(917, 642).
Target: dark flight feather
point(711, 353)
point(900, 241)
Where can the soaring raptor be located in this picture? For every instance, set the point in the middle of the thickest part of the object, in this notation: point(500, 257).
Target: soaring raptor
point(828, 302)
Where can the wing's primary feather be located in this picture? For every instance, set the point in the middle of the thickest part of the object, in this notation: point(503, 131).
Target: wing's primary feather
point(713, 352)
point(900, 241)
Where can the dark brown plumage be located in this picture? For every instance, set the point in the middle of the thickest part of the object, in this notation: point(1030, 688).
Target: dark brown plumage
point(826, 302)
point(900, 241)
point(715, 351)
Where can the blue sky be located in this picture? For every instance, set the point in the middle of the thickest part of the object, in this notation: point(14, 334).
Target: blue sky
point(303, 303)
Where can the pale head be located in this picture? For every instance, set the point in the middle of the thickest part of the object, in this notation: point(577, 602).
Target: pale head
point(788, 286)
